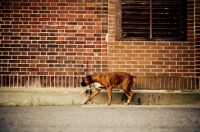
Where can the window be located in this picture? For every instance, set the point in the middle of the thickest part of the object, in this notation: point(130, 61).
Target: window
point(152, 20)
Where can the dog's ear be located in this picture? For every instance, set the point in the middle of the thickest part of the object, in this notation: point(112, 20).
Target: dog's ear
point(89, 78)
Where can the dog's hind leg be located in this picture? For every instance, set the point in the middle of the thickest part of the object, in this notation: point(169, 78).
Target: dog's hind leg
point(128, 92)
point(130, 97)
point(109, 95)
point(97, 91)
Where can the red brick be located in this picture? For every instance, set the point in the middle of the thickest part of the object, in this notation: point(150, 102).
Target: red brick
point(23, 65)
point(157, 55)
point(150, 51)
point(144, 70)
point(176, 51)
point(42, 57)
point(23, 57)
point(42, 65)
point(149, 43)
point(138, 51)
point(170, 55)
point(182, 63)
point(119, 62)
point(42, 73)
point(132, 70)
point(163, 59)
point(157, 62)
point(151, 58)
point(150, 74)
point(175, 74)
point(137, 66)
point(60, 73)
point(163, 51)
point(145, 55)
point(169, 63)
point(51, 69)
point(6, 26)
point(144, 62)
point(142, 47)
point(33, 69)
point(163, 74)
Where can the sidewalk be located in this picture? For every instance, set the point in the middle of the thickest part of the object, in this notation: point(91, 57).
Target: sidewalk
point(75, 96)
point(112, 118)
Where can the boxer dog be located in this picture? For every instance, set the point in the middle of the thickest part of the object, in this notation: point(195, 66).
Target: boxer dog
point(108, 81)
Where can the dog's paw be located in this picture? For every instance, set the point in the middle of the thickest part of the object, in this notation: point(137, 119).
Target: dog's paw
point(107, 104)
point(84, 103)
point(126, 103)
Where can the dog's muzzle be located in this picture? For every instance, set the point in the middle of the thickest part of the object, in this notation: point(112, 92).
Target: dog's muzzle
point(83, 84)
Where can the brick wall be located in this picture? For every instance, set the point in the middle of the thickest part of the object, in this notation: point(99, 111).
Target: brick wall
point(52, 38)
point(152, 58)
point(53, 43)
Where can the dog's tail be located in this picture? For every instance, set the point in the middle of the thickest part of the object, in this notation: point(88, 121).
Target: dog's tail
point(134, 79)
point(134, 76)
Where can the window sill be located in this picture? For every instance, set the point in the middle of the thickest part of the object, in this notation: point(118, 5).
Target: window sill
point(148, 39)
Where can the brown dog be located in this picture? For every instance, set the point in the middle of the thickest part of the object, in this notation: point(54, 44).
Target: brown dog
point(109, 81)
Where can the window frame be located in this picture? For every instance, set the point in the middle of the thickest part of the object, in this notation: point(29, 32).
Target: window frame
point(118, 25)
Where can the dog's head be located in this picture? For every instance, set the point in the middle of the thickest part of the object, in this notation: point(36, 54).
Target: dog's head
point(86, 81)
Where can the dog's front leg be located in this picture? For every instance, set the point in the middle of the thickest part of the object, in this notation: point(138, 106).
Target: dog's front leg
point(97, 91)
point(109, 95)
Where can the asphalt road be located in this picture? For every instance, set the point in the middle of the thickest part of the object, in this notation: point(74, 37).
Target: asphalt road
point(100, 118)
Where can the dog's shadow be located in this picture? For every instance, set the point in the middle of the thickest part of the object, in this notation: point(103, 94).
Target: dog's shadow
point(124, 98)
point(88, 92)
point(135, 100)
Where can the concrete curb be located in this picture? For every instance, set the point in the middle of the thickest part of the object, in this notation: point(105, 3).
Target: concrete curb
point(75, 96)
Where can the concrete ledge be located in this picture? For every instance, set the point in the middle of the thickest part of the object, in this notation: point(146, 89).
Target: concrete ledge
point(75, 96)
